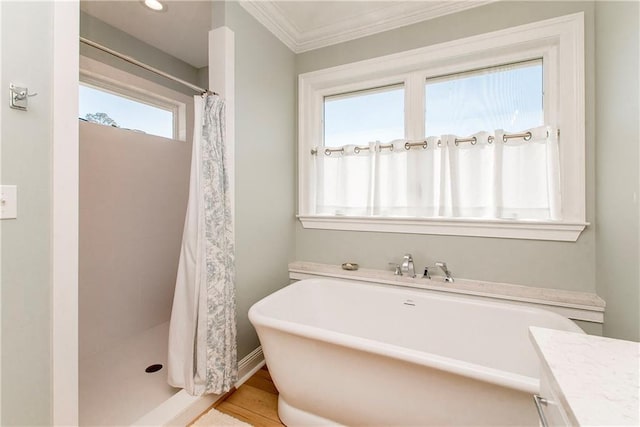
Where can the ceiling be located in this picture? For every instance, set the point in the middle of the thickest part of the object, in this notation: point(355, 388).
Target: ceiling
point(182, 29)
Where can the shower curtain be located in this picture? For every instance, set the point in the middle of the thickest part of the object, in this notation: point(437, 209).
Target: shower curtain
point(202, 334)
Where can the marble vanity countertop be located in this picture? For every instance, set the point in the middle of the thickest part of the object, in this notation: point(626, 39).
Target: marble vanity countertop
point(596, 379)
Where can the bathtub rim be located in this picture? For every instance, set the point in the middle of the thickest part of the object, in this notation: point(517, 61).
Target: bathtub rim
point(454, 366)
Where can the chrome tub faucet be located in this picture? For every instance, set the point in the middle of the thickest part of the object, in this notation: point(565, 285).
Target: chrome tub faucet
point(407, 266)
point(445, 270)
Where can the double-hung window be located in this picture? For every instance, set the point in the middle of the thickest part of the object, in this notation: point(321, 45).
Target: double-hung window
point(482, 136)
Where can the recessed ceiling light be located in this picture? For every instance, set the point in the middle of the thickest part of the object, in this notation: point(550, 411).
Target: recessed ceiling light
point(154, 5)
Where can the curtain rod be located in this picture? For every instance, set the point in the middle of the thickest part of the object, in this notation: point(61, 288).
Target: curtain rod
point(143, 65)
point(423, 143)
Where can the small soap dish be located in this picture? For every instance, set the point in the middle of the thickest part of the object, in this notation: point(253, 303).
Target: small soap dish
point(350, 266)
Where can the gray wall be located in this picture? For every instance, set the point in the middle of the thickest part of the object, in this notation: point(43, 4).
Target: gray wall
point(617, 136)
point(613, 273)
point(203, 77)
point(111, 37)
point(537, 263)
point(265, 171)
point(26, 254)
point(133, 198)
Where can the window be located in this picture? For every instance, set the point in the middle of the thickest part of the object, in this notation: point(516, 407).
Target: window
point(508, 97)
point(117, 98)
point(107, 108)
point(459, 138)
point(363, 116)
point(351, 121)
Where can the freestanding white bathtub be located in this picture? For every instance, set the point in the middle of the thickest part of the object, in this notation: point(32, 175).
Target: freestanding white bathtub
point(343, 352)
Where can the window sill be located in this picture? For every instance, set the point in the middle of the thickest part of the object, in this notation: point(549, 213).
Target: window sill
point(531, 230)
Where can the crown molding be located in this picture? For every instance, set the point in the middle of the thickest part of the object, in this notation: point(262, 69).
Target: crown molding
point(271, 16)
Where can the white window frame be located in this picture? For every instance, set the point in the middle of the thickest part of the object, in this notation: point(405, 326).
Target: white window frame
point(558, 41)
point(120, 83)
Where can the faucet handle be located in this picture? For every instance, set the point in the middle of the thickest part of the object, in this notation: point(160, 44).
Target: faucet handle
point(445, 270)
point(398, 270)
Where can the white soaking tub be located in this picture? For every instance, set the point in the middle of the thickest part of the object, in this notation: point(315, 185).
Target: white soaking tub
point(350, 353)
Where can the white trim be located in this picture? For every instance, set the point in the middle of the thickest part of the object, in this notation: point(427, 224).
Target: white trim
point(1, 59)
point(582, 306)
point(302, 40)
point(530, 230)
point(222, 81)
point(64, 276)
point(249, 365)
point(559, 41)
point(269, 15)
point(383, 20)
point(181, 409)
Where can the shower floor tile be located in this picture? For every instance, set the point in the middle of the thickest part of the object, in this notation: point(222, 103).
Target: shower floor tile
point(115, 390)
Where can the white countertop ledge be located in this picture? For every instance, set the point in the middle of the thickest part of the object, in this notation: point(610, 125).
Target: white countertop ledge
point(596, 379)
point(574, 305)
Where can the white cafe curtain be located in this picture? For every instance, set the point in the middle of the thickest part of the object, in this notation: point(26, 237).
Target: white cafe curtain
point(487, 176)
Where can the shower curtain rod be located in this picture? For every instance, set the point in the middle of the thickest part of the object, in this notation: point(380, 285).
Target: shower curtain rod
point(145, 66)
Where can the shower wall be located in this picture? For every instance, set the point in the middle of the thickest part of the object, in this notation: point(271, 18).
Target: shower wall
point(133, 195)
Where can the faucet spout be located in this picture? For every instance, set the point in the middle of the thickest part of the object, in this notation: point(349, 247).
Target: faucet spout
point(447, 274)
point(407, 266)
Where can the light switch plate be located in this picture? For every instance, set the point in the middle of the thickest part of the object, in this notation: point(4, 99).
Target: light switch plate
point(8, 201)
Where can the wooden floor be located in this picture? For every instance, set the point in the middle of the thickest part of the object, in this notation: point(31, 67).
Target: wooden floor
point(255, 402)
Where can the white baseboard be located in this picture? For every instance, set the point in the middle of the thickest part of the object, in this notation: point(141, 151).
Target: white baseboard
point(183, 408)
point(249, 365)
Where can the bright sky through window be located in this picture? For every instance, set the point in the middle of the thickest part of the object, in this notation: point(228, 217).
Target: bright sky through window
point(128, 114)
point(361, 117)
point(507, 97)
